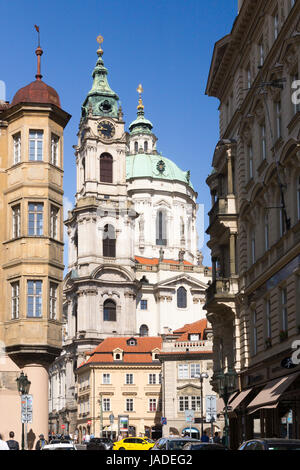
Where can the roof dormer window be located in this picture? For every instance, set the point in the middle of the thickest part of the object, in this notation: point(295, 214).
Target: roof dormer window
point(132, 342)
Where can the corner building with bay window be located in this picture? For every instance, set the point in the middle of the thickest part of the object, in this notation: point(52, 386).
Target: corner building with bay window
point(134, 267)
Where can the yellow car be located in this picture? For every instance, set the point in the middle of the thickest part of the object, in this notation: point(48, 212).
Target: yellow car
point(133, 443)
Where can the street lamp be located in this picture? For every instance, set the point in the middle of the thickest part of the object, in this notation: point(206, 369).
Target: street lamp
point(201, 376)
point(23, 385)
point(226, 383)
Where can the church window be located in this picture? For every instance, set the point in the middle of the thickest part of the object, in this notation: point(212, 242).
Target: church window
point(181, 297)
point(136, 147)
point(145, 146)
point(109, 311)
point(109, 241)
point(106, 168)
point(144, 330)
point(144, 304)
point(161, 232)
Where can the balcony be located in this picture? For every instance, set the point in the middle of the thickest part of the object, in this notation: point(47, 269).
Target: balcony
point(222, 289)
point(223, 206)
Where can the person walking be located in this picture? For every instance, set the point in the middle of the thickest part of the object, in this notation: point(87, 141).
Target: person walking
point(3, 444)
point(204, 437)
point(41, 442)
point(12, 444)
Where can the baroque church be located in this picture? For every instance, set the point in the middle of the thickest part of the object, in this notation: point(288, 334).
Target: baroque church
point(133, 264)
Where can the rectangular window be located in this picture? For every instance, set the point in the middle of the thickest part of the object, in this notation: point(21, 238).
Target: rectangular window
point(16, 221)
point(195, 370)
point(54, 222)
point(17, 148)
point(15, 299)
point(53, 301)
point(152, 379)
point(34, 298)
point(106, 404)
point(278, 119)
point(129, 404)
point(144, 304)
point(266, 224)
point(276, 25)
point(284, 311)
point(129, 379)
point(253, 254)
point(263, 143)
point(106, 379)
point(54, 149)
point(195, 403)
point(183, 371)
point(268, 319)
point(250, 161)
point(261, 53)
point(254, 332)
point(152, 404)
point(183, 403)
point(36, 145)
point(35, 219)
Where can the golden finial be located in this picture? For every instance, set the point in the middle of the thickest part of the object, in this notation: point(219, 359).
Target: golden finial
point(100, 41)
point(140, 91)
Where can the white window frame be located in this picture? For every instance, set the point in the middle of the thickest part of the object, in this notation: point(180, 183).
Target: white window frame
point(16, 221)
point(37, 138)
point(17, 147)
point(37, 299)
point(195, 370)
point(54, 149)
point(152, 405)
point(15, 299)
point(106, 405)
point(129, 405)
point(106, 378)
point(129, 379)
point(183, 371)
point(183, 403)
point(37, 210)
point(152, 379)
point(53, 300)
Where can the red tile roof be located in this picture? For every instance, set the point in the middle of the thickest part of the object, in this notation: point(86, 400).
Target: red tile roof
point(197, 327)
point(154, 261)
point(141, 353)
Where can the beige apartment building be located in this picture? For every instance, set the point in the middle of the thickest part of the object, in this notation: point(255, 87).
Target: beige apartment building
point(253, 302)
point(119, 389)
point(31, 256)
point(189, 403)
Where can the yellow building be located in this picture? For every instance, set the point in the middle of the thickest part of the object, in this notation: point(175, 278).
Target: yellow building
point(31, 256)
point(121, 377)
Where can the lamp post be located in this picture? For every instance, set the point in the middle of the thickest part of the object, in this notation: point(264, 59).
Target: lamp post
point(23, 385)
point(201, 377)
point(226, 383)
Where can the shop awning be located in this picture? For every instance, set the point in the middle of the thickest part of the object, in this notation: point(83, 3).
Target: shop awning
point(237, 400)
point(271, 393)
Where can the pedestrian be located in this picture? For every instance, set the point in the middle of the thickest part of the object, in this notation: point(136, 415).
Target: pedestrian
point(12, 444)
point(217, 439)
point(41, 442)
point(3, 444)
point(204, 437)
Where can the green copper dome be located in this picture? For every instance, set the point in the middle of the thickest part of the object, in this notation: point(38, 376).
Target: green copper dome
point(144, 165)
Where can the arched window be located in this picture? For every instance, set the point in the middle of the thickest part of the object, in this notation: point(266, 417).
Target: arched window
point(181, 297)
point(109, 311)
point(109, 241)
point(145, 146)
point(136, 147)
point(161, 230)
point(106, 168)
point(144, 330)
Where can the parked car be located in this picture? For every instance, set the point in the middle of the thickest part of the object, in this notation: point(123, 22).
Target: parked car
point(271, 444)
point(99, 443)
point(173, 443)
point(133, 443)
point(59, 446)
point(203, 446)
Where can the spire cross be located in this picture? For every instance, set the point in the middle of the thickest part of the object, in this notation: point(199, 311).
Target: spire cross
point(140, 91)
point(100, 41)
point(39, 52)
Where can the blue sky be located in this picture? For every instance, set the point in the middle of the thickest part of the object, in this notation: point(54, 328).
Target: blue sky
point(164, 44)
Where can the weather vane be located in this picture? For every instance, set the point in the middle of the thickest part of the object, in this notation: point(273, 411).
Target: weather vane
point(140, 91)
